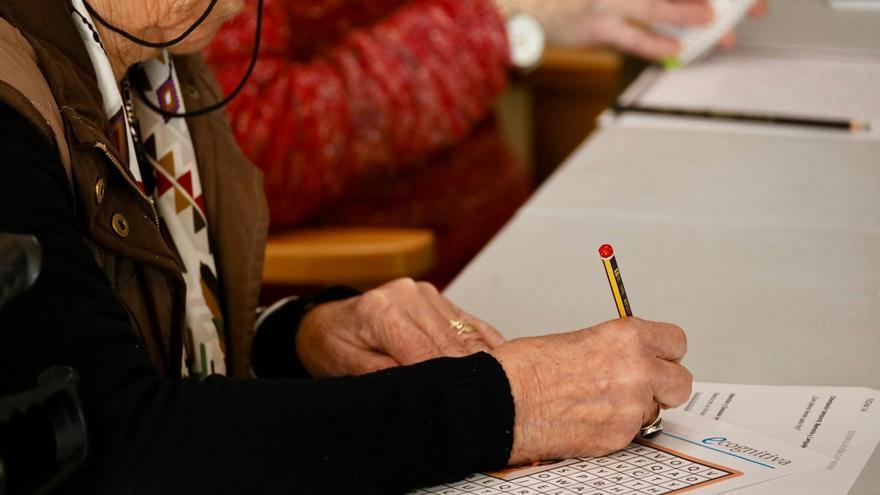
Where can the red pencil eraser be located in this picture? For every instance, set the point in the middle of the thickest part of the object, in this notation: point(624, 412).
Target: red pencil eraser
point(606, 251)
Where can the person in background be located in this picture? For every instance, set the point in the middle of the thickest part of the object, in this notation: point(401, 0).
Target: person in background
point(383, 109)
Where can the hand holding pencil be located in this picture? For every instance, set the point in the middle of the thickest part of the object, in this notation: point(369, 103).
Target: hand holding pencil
point(590, 392)
point(615, 280)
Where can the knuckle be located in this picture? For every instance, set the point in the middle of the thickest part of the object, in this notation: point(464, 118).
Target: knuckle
point(619, 332)
point(427, 287)
point(404, 283)
point(630, 334)
point(684, 387)
point(616, 326)
point(688, 378)
point(681, 337)
point(371, 302)
point(675, 334)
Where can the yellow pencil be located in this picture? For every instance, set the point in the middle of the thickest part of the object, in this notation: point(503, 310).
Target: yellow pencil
point(623, 309)
point(615, 280)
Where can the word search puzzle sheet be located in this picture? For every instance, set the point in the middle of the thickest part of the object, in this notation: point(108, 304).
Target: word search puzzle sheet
point(708, 459)
point(639, 468)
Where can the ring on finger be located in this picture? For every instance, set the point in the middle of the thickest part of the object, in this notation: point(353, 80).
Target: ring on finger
point(653, 429)
point(461, 327)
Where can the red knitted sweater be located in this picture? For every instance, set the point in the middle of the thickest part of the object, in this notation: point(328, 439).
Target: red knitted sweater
point(345, 89)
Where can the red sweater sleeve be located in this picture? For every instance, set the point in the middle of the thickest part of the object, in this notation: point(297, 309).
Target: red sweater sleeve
point(341, 91)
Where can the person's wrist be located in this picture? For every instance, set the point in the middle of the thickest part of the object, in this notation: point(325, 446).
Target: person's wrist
point(274, 353)
point(310, 330)
point(525, 35)
point(524, 387)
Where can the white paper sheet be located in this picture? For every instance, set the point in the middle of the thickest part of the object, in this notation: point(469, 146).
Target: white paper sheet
point(694, 455)
point(842, 423)
point(751, 81)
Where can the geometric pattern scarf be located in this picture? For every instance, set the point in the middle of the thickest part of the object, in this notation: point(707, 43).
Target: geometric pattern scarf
point(172, 173)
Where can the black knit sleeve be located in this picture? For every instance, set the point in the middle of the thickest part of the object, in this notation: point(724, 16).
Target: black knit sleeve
point(381, 433)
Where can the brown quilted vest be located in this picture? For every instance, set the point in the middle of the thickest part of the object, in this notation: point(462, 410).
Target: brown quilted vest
point(46, 75)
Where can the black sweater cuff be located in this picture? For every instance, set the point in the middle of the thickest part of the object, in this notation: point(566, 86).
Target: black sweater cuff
point(480, 410)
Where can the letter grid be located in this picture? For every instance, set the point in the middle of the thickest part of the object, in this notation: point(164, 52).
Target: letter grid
point(636, 470)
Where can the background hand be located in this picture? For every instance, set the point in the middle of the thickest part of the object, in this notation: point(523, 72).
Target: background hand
point(400, 323)
point(587, 393)
point(624, 25)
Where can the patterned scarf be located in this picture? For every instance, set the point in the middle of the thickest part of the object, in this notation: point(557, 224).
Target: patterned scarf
point(172, 175)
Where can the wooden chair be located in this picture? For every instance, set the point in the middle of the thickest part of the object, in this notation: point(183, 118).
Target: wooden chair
point(359, 257)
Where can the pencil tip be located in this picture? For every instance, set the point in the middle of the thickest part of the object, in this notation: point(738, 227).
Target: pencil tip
point(857, 126)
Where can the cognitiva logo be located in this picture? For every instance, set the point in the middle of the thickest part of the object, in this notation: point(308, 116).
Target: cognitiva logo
point(735, 448)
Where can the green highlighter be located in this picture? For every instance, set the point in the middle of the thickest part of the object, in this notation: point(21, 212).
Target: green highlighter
point(671, 63)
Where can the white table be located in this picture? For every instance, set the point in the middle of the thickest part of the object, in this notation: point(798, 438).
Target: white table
point(812, 25)
point(762, 242)
point(764, 246)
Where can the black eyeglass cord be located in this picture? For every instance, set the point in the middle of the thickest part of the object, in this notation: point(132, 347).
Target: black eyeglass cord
point(166, 44)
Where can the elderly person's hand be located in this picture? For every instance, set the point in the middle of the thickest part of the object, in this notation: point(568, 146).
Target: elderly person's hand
point(403, 322)
point(625, 25)
point(587, 393)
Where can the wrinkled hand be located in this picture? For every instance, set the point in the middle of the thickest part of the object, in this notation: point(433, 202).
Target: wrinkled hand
point(624, 25)
point(587, 393)
point(403, 322)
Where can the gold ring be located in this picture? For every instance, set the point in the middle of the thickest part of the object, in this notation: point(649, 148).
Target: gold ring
point(653, 429)
point(461, 327)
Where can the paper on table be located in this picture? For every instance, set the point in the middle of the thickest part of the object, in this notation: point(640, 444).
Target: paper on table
point(755, 81)
point(693, 454)
point(811, 26)
point(840, 422)
point(856, 4)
